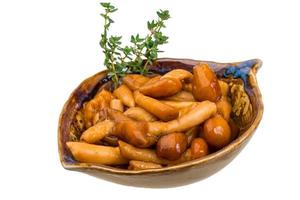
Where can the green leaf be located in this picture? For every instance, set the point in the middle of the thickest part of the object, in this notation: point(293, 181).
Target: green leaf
point(113, 10)
point(163, 14)
point(151, 25)
point(105, 4)
point(110, 20)
point(127, 50)
point(132, 39)
point(138, 38)
point(160, 38)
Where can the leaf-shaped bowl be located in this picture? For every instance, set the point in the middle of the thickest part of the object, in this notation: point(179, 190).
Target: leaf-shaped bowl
point(247, 111)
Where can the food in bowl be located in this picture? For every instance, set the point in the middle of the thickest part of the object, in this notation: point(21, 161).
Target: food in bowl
point(156, 121)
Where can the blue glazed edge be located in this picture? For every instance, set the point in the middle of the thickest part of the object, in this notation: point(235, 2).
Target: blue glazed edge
point(239, 70)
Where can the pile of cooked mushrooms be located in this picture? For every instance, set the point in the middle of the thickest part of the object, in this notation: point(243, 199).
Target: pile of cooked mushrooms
point(157, 121)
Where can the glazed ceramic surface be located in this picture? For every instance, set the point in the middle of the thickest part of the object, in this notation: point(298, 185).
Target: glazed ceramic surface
point(247, 112)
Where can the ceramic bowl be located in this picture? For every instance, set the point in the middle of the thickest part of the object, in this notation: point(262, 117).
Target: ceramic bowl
point(247, 111)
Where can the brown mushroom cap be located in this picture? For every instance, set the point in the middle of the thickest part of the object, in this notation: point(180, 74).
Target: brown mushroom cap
point(171, 146)
point(199, 148)
point(205, 84)
point(216, 131)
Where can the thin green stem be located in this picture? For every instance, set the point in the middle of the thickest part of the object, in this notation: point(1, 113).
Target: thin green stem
point(120, 61)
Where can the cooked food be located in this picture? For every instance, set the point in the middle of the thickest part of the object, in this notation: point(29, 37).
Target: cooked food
point(92, 110)
point(155, 107)
point(224, 88)
point(135, 81)
point(117, 105)
point(146, 155)
point(199, 148)
point(178, 104)
point(224, 107)
point(201, 112)
point(95, 133)
point(181, 96)
point(187, 87)
point(134, 132)
point(158, 121)
point(156, 114)
point(191, 135)
point(171, 146)
point(97, 154)
point(179, 74)
point(140, 165)
point(216, 132)
point(162, 87)
point(125, 95)
point(205, 84)
point(139, 114)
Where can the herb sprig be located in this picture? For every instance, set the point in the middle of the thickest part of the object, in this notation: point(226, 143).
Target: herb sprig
point(135, 58)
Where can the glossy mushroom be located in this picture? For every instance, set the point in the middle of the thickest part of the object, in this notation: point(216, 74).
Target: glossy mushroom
point(216, 132)
point(205, 84)
point(171, 146)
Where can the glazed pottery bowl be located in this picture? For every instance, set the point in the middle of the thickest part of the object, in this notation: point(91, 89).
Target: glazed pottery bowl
point(247, 112)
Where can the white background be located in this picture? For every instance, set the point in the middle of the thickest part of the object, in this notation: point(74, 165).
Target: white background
point(48, 47)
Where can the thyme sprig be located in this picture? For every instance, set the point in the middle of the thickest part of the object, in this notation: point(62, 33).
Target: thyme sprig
point(135, 58)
